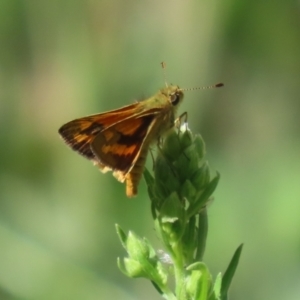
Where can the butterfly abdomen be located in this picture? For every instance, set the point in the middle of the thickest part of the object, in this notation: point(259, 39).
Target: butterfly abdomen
point(134, 176)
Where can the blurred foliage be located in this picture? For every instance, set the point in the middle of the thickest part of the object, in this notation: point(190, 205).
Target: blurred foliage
point(64, 59)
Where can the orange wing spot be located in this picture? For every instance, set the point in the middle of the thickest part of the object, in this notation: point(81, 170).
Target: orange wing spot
point(108, 134)
point(125, 150)
point(119, 150)
point(107, 149)
point(81, 138)
point(84, 125)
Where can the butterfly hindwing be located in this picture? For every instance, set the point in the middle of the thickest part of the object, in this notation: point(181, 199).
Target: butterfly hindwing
point(118, 146)
point(79, 134)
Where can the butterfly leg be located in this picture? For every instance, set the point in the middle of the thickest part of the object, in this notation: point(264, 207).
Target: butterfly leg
point(182, 119)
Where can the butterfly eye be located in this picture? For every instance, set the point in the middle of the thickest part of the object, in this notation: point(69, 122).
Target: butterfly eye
point(175, 98)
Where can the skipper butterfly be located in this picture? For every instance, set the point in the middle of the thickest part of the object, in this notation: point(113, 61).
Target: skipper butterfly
point(119, 140)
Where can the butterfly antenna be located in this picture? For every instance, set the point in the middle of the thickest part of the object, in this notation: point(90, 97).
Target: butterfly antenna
point(164, 66)
point(217, 85)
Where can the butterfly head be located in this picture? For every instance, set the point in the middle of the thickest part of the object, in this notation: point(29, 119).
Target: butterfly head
point(174, 94)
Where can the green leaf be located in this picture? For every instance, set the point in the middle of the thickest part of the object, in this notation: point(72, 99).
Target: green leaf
point(216, 293)
point(122, 235)
point(202, 234)
point(150, 183)
point(131, 268)
point(148, 178)
point(201, 177)
point(189, 240)
point(172, 209)
point(187, 163)
point(201, 202)
point(166, 177)
point(228, 275)
point(188, 191)
point(151, 192)
point(185, 137)
point(171, 146)
point(199, 282)
point(137, 248)
point(172, 220)
point(199, 146)
point(157, 287)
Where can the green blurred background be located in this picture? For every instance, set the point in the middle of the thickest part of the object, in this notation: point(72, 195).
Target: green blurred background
point(64, 59)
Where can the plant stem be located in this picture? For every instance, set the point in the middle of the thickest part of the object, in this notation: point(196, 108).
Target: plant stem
point(179, 272)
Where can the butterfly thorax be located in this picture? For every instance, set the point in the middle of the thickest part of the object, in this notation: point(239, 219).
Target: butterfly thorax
point(164, 104)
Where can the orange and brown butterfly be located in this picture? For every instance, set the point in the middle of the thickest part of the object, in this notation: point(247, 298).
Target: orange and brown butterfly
point(119, 140)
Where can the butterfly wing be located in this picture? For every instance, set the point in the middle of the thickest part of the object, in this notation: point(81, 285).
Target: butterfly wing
point(118, 146)
point(112, 139)
point(80, 133)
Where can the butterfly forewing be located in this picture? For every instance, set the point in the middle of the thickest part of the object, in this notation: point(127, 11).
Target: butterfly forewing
point(80, 133)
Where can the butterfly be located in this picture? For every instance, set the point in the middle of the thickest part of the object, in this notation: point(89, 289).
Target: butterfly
point(119, 140)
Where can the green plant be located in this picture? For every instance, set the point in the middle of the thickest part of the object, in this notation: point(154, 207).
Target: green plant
point(179, 191)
